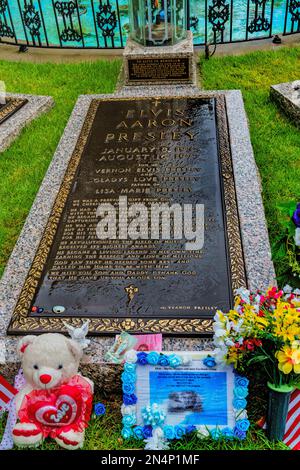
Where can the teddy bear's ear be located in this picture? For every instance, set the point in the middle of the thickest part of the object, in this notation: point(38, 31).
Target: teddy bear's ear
point(75, 349)
point(24, 342)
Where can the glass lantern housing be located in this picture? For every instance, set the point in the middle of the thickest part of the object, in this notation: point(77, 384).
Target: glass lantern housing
point(158, 22)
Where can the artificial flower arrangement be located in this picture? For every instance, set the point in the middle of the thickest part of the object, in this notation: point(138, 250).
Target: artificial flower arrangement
point(287, 247)
point(155, 432)
point(262, 329)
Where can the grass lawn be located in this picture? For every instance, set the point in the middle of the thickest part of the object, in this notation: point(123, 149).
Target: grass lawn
point(276, 145)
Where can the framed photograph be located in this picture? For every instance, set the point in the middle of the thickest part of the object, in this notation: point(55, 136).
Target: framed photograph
point(192, 391)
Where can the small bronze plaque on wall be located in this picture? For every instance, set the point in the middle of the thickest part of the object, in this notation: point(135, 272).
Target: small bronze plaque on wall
point(152, 69)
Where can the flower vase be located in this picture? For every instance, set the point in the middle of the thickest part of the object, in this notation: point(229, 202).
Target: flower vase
point(279, 398)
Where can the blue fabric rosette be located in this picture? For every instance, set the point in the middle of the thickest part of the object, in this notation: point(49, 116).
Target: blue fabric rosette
point(179, 431)
point(129, 420)
point(128, 377)
point(138, 432)
point(209, 361)
point(128, 388)
point(240, 392)
point(129, 367)
point(129, 399)
point(174, 360)
point(142, 358)
point(99, 409)
point(215, 434)
point(241, 381)
point(239, 434)
point(190, 428)
point(163, 360)
point(147, 431)
point(242, 424)
point(239, 403)
point(227, 433)
point(126, 433)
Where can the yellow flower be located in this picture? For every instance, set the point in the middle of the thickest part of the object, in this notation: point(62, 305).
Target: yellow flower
point(289, 360)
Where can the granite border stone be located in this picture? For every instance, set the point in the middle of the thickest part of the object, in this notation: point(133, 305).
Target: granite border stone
point(12, 127)
point(259, 266)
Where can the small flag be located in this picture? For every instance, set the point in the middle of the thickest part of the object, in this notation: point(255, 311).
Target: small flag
point(292, 429)
point(7, 392)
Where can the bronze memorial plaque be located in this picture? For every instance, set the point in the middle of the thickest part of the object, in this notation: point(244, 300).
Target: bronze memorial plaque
point(145, 261)
point(157, 69)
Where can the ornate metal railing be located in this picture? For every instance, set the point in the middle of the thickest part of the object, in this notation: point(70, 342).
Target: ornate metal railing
point(104, 23)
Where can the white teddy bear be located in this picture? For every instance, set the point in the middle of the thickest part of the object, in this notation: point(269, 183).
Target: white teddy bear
point(56, 401)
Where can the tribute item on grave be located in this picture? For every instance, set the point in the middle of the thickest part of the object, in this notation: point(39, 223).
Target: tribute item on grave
point(150, 152)
point(159, 49)
point(10, 107)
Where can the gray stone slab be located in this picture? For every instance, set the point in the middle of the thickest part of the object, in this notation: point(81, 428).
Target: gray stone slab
point(259, 266)
point(287, 97)
point(12, 127)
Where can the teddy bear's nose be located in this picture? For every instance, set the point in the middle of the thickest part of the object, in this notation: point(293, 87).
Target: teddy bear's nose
point(45, 378)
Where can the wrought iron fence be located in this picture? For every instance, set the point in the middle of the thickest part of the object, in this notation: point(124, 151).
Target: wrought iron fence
point(103, 24)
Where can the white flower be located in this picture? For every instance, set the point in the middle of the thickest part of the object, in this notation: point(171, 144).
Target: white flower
point(287, 289)
point(131, 356)
point(157, 441)
point(237, 327)
point(296, 292)
point(128, 410)
point(220, 354)
point(241, 414)
point(297, 236)
point(202, 432)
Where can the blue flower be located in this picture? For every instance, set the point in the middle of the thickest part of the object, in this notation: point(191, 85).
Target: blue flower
point(239, 403)
point(153, 358)
point(209, 361)
point(240, 392)
point(241, 381)
point(242, 424)
point(215, 434)
point(191, 428)
point(99, 409)
point(128, 388)
point(174, 360)
point(129, 399)
point(138, 432)
point(147, 432)
point(129, 367)
point(163, 360)
point(239, 434)
point(179, 431)
point(126, 433)
point(129, 420)
point(169, 432)
point(142, 358)
point(227, 433)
